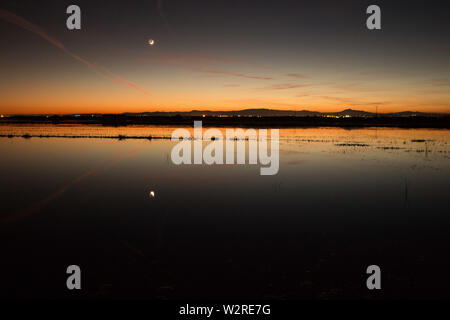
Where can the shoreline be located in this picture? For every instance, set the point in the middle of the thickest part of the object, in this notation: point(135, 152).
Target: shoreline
point(242, 122)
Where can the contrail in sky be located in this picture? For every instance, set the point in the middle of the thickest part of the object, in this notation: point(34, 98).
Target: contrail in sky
point(25, 24)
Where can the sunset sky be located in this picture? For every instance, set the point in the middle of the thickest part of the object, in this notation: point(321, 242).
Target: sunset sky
point(224, 55)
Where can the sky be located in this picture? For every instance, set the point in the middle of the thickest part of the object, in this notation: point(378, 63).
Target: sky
point(224, 55)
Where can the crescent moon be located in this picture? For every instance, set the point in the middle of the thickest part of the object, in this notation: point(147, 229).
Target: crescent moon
point(151, 42)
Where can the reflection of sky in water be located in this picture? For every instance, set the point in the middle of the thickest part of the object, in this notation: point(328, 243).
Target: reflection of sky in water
point(331, 181)
point(333, 165)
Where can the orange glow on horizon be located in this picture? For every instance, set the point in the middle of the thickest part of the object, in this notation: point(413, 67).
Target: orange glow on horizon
point(70, 81)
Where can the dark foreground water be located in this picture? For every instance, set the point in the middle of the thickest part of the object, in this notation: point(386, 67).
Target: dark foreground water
point(342, 200)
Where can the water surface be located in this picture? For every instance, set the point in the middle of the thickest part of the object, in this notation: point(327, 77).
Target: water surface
point(342, 200)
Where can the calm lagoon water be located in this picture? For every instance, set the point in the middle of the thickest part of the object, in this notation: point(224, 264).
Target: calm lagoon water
point(342, 200)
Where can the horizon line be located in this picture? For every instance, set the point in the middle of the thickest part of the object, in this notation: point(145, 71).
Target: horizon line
point(218, 111)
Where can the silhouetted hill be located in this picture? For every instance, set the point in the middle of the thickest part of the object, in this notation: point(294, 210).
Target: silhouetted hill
point(241, 113)
point(353, 113)
point(254, 118)
point(261, 112)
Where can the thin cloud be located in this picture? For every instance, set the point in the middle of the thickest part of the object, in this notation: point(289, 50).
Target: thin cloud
point(284, 86)
point(261, 103)
point(301, 95)
point(443, 82)
point(128, 82)
point(354, 102)
point(193, 59)
point(205, 64)
point(346, 101)
point(295, 75)
point(355, 87)
point(232, 74)
point(25, 24)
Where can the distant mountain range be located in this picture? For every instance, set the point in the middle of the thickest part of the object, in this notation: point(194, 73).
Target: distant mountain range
point(283, 113)
point(251, 118)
